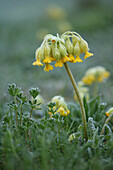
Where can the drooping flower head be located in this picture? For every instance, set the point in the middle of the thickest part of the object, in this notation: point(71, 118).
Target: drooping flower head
point(66, 48)
point(95, 74)
point(60, 106)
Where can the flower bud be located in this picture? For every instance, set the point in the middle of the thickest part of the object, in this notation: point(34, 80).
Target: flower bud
point(36, 53)
point(69, 46)
point(47, 49)
point(39, 53)
point(62, 50)
point(77, 49)
point(56, 53)
point(84, 45)
point(75, 39)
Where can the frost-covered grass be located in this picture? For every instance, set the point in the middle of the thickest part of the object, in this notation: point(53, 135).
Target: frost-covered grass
point(18, 42)
point(30, 139)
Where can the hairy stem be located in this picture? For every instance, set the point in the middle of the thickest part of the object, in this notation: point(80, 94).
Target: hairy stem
point(79, 99)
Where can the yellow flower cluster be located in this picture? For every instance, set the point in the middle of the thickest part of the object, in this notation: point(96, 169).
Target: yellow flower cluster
point(68, 47)
point(60, 106)
point(95, 74)
point(83, 91)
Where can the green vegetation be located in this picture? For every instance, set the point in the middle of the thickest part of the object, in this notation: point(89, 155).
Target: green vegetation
point(35, 134)
point(29, 139)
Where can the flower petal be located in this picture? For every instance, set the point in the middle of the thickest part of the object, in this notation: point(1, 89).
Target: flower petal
point(38, 62)
point(87, 54)
point(48, 67)
point(47, 60)
point(78, 59)
point(59, 64)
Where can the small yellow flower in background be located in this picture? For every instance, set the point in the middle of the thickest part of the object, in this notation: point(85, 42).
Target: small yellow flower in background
point(95, 74)
point(84, 91)
point(60, 106)
point(56, 12)
point(66, 48)
point(109, 112)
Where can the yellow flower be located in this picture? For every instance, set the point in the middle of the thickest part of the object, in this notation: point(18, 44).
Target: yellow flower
point(72, 58)
point(63, 112)
point(65, 59)
point(106, 74)
point(88, 79)
point(66, 48)
point(109, 112)
point(47, 60)
point(37, 62)
point(48, 67)
point(78, 59)
point(59, 64)
point(95, 74)
point(87, 54)
point(60, 106)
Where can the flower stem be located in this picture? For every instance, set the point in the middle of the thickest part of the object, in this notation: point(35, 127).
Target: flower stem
point(21, 116)
point(95, 89)
point(107, 120)
point(79, 99)
point(16, 112)
point(31, 113)
point(16, 118)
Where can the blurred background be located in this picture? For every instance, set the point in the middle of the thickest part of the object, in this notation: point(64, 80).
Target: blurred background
point(24, 23)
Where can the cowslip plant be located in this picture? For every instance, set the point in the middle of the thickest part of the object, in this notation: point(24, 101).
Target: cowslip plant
point(63, 49)
point(95, 75)
point(60, 106)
